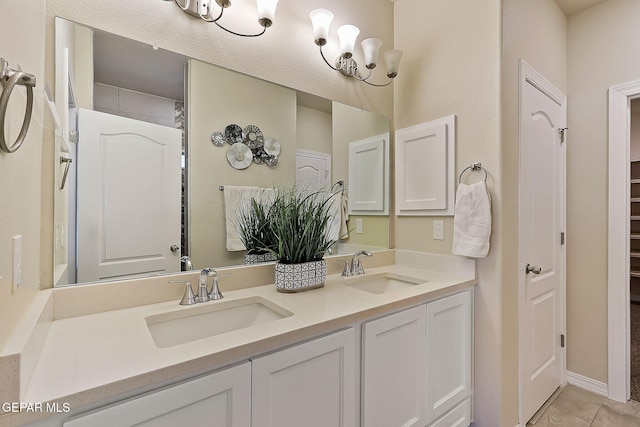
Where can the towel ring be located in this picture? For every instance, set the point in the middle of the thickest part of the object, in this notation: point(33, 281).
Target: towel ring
point(473, 167)
point(9, 78)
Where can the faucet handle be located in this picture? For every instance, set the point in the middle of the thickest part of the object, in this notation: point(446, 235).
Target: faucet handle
point(188, 298)
point(346, 271)
point(215, 293)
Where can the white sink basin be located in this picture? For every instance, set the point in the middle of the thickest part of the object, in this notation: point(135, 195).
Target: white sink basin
point(210, 319)
point(382, 283)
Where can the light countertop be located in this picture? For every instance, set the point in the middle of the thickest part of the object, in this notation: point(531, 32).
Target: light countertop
point(105, 355)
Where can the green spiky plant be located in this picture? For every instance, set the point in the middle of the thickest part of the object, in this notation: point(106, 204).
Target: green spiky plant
point(299, 220)
point(253, 224)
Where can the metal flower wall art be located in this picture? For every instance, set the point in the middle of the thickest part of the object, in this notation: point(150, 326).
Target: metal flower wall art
point(247, 146)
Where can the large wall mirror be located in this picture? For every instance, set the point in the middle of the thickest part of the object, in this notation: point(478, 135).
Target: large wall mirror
point(138, 169)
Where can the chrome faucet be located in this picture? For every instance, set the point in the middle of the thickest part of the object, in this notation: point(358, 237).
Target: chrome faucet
point(356, 264)
point(185, 263)
point(204, 294)
point(203, 284)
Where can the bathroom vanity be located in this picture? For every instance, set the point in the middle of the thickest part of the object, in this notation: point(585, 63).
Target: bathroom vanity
point(390, 347)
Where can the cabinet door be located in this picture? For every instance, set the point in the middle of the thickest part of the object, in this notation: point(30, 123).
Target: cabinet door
point(393, 370)
point(222, 399)
point(448, 353)
point(311, 384)
point(425, 168)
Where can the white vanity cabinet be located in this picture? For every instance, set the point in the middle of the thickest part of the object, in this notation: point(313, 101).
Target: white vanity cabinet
point(311, 384)
point(416, 366)
point(220, 399)
point(394, 370)
point(410, 368)
point(449, 360)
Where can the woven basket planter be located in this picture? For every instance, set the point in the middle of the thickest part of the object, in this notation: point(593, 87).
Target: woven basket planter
point(250, 259)
point(300, 277)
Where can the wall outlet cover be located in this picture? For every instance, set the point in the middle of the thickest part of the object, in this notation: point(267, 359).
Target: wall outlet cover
point(438, 230)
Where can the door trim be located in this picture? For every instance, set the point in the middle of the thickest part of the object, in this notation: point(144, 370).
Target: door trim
point(620, 97)
point(528, 75)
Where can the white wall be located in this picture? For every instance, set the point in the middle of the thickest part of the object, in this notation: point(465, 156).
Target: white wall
point(134, 105)
point(22, 33)
point(603, 46)
point(313, 130)
point(451, 65)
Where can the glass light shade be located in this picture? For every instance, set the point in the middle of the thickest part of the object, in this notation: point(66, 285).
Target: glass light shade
point(392, 59)
point(371, 48)
point(321, 21)
point(348, 35)
point(266, 11)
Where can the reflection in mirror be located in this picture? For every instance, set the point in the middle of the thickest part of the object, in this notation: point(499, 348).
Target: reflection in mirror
point(147, 174)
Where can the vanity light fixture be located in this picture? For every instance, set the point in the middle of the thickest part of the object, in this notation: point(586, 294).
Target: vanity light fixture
point(207, 11)
point(347, 34)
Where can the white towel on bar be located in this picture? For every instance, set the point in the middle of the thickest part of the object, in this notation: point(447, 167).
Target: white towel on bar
point(472, 220)
point(234, 198)
point(335, 216)
point(344, 229)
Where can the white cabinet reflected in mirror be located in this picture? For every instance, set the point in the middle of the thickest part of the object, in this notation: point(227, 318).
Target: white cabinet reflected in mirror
point(129, 176)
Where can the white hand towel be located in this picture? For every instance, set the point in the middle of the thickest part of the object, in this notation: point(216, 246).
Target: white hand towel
point(344, 229)
point(333, 226)
point(472, 220)
point(234, 198)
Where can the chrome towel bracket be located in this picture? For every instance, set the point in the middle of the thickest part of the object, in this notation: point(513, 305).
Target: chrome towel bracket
point(473, 167)
point(9, 78)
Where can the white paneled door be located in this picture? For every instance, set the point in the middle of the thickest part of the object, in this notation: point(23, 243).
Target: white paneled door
point(541, 239)
point(313, 169)
point(129, 197)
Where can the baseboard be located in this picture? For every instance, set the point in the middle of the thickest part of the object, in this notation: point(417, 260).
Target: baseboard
point(588, 384)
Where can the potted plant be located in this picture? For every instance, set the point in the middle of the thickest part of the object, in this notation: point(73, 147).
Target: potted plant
point(253, 225)
point(299, 220)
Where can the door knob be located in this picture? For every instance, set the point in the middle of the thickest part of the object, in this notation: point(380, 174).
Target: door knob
point(535, 269)
point(174, 248)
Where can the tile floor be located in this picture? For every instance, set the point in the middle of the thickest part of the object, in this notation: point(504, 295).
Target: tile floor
point(575, 407)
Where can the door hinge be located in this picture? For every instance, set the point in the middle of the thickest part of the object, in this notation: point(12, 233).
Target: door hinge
point(562, 340)
point(74, 136)
point(562, 132)
point(562, 238)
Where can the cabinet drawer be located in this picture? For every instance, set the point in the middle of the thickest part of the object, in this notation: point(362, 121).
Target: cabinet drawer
point(221, 399)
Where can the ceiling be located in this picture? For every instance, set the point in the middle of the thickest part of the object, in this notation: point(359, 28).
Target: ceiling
point(569, 7)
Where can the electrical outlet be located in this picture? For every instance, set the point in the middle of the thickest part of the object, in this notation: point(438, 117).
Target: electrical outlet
point(17, 262)
point(359, 225)
point(438, 230)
